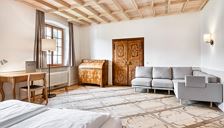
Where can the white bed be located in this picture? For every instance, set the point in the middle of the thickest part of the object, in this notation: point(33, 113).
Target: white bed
point(18, 114)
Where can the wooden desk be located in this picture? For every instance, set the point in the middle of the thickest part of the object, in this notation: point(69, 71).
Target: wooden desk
point(13, 78)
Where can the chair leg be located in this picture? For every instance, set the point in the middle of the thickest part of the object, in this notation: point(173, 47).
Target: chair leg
point(180, 102)
point(154, 90)
point(46, 96)
point(66, 88)
point(33, 96)
point(135, 89)
point(211, 104)
point(28, 96)
point(147, 90)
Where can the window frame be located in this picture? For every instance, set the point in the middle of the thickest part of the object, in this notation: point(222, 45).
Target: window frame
point(62, 45)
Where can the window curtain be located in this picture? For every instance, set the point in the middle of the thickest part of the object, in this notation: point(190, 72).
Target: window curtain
point(71, 51)
point(39, 56)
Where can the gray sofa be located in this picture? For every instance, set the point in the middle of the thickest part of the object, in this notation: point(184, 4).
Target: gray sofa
point(159, 78)
point(200, 87)
point(186, 83)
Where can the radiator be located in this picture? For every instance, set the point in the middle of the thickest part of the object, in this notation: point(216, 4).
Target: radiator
point(58, 78)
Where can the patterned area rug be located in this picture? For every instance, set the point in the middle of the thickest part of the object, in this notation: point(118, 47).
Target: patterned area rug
point(141, 110)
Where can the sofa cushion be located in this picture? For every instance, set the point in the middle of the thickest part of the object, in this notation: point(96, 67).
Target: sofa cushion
point(143, 72)
point(162, 83)
point(175, 82)
point(141, 82)
point(195, 81)
point(162, 73)
point(181, 72)
point(208, 78)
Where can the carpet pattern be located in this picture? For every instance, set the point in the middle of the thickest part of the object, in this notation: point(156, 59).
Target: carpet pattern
point(141, 110)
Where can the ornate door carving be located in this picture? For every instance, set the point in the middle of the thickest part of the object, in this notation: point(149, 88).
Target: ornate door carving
point(135, 57)
point(119, 63)
point(127, 54)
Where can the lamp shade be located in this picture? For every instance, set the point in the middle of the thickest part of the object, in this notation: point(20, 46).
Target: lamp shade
point(207, 37)
point(48, 45)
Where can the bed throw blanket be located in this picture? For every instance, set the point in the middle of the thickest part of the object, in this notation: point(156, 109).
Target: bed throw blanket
point(18, 114)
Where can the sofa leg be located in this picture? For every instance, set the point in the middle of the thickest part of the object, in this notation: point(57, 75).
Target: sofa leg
point(180, 102)
point(154, 90)
point(211, 104)
point(168, 92)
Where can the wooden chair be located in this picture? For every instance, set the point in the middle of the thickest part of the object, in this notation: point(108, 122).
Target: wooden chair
point(31, 88)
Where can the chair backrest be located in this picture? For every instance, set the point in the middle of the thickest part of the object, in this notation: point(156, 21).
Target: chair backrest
point(36, 76)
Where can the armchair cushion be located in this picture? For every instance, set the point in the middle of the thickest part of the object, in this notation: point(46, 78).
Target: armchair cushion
point(141, 82)
point(162, 83)
point(143, 72)
point(162, 73)
point(181, 72)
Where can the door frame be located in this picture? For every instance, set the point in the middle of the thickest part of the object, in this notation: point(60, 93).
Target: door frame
point(113, 43)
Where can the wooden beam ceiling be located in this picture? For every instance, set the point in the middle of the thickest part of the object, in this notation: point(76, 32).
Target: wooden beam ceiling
point(87, 12)
point(105, 9)
point(121, 9)
point(137, 8)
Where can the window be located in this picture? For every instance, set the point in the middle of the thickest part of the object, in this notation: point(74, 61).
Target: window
point(52, 32)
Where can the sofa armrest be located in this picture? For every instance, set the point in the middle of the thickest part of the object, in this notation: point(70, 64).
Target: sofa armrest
point(212, 92)
point(216, 91)
point(195, 81)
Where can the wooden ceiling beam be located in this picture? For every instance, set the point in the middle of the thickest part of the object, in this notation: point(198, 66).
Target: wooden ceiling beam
point(32, 5)
point(73, 18)
point(121, 9)
point(67, 5)
point(160, 4)
point(203, 4)
point(63, 3)
point(153, 9)
point(76, 11)
point(137, 8)
point(106, 10)
point(47, 4)
point(95, 13)
point(82, 15)
point(184, 6)
point(56, 8)
point(168, 6)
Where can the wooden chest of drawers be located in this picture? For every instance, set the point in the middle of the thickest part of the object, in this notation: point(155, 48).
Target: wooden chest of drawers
point(93, 72)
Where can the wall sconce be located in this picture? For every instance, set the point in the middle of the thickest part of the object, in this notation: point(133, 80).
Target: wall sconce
point(208, 39)
point(3, 61)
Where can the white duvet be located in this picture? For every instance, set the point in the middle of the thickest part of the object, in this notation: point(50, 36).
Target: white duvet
point(18, 114)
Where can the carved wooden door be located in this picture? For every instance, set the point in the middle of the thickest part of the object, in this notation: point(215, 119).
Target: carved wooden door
point(120, 62)
point(127, 54)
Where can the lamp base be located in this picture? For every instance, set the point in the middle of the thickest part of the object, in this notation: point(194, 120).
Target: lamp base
point(51, 95)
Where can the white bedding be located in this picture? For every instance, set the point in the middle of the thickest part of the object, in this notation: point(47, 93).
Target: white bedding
point(18, 114)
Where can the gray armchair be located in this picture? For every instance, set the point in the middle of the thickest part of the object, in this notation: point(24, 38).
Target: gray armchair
point(196, 88)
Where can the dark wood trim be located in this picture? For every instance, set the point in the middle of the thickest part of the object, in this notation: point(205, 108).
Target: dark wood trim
point(113, 47)
point(62, 45)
